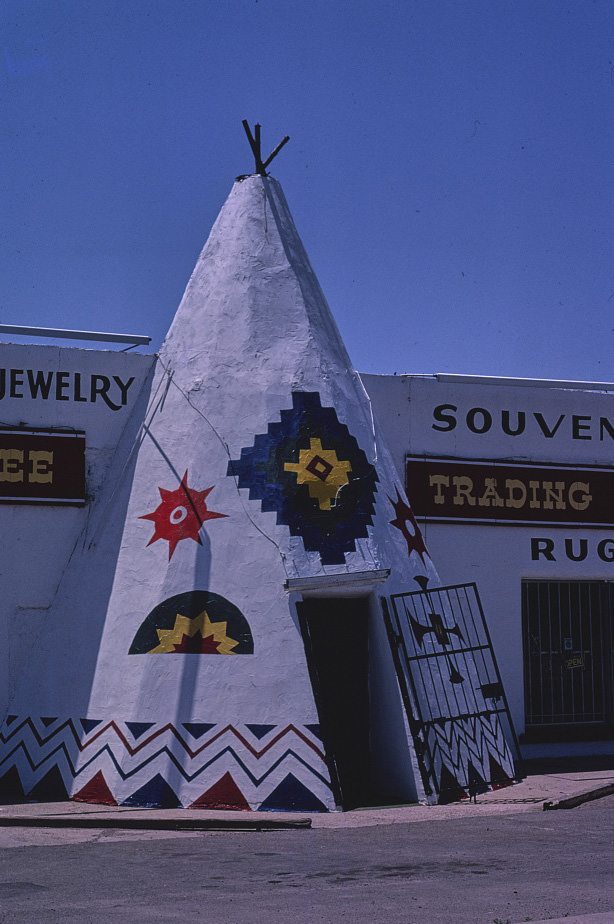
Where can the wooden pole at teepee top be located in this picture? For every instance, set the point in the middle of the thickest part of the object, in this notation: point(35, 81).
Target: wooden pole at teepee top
point(255, 145)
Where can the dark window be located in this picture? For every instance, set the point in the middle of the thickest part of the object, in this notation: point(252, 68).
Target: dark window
point(567, 637)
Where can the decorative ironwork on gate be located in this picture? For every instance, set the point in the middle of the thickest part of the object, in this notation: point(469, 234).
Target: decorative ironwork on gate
point(452, 691)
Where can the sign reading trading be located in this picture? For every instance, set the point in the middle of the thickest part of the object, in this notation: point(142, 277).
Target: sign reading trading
point(479, 492)
point(39, 466)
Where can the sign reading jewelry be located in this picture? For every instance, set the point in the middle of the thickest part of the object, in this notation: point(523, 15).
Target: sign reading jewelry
point(65, 386)
point(42, 466)
point(481, 492)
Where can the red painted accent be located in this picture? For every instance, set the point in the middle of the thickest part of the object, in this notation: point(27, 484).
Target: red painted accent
point(225, 794)
point(450, 790)
point(196, 644)
point(196, 751)
point(498, 777)
point(180, 515)
point(405, 515)
point(95, 791)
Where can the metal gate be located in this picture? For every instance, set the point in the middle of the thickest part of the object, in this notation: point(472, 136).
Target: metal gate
point(568, 658)
point(452, 690)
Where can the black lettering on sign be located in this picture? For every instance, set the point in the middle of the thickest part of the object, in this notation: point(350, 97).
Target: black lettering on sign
point(39, 382)
point(543, 426)
point(16, 383)
point(521, 420)
point(513, 422)
point(77, 388)
point(65, 386)
point(572, 548)
point(123, 387)
point(577, 427)
point(62, 384)
point(479, 420)
point(605, 550)
point(576, 550)
point(604, 424)
point(542, 547)
point(447, 419)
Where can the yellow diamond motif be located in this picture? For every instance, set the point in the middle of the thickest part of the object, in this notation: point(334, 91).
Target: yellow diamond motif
point(322, 472)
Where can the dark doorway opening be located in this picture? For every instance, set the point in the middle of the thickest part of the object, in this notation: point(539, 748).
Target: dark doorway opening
point(335, 635)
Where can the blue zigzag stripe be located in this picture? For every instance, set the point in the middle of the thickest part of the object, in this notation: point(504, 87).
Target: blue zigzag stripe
point(35, 766)
point(189, 777)
point(42, 739)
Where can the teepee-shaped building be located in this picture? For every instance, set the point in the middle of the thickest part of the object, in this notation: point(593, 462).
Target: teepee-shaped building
point(217, 639)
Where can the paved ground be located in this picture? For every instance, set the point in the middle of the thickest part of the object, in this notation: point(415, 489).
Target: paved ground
point(529, 795)
point(505, 867)
point(503, 859)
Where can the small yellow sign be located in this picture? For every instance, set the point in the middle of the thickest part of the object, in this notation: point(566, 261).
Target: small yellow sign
point(578, 661)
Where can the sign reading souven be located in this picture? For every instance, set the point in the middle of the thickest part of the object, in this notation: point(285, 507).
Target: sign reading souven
point(480, 492)
point(42, 466)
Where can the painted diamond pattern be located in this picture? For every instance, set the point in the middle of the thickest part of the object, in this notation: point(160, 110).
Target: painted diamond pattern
point(312, 473)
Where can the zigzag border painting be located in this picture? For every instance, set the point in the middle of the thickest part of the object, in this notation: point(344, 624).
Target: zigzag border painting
point(473, 750)
point(196, 764)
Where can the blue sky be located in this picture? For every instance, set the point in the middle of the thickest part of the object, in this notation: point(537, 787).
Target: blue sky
point(449, 169)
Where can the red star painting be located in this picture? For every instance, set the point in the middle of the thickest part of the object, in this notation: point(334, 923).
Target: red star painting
point(406, 522)
point(180, 515)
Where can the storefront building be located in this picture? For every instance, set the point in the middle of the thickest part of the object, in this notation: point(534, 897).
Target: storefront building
point(203, 550)
point(237, 575)
point(512, 484)
point(510, 481)
point(63, 414)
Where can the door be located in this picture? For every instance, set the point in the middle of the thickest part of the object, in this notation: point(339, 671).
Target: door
point(567, 627)
point(335, 635)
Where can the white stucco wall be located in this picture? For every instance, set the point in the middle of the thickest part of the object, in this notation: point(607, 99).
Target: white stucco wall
point(423, 416)
point(95, 391)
